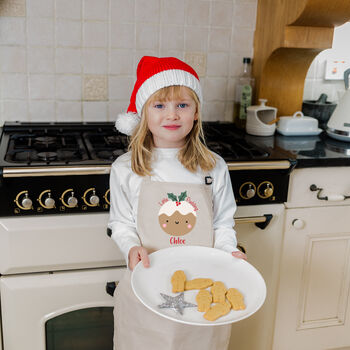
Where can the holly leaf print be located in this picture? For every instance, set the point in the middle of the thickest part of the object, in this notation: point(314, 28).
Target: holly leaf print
point(172, 197)
point(182, 196)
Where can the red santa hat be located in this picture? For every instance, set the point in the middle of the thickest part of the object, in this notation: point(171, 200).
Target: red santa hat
point(153, 74)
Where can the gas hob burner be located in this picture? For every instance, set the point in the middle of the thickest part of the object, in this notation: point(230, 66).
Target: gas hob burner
point(45, 140)
point(47, 156)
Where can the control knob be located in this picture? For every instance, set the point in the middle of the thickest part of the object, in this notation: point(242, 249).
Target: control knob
point(26, 202)
point(250, 192)
point(94, 200)
point(49, 202)
point(268, 191)
point(72, 201)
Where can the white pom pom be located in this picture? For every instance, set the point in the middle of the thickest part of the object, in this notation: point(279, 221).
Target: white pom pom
point(127, 122)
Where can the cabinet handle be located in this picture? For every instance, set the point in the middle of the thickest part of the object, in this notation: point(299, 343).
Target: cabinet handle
point(331, 198)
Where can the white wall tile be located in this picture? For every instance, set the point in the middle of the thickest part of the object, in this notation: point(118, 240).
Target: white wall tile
point(122, 35)
point(197, 12)
point(120, 88)
point(42, 86)
point(42, 111)
point(68, 33)
point(213, 111)
point(40, 8)
point(172, 37)
point(95, 61)
point(245, 14)
point(196, 38)
point(173, 11)
point(12, 31)
point(68, 60)
point(121, 62)
point(215, 89)
point(68, 9)
point(40, 31)
point(95, 111)
point(218, 64)
point(147, 10)
point(95, 34)
point(41, 60)
point(14, 86)
point(222, 13)
point(117, 107)
point(147, 36)
point(122, 10)
point(13, 59)
point(219, 39)
point(15, 110)
point(242, 39)
point(68, 111)
point(96, 10)
point(68, 87)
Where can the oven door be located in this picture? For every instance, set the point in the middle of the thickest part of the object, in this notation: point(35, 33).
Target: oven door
point(263, 249)
point(60, 310)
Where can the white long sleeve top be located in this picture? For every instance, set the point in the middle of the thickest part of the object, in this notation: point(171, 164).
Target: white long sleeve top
point(125, 189)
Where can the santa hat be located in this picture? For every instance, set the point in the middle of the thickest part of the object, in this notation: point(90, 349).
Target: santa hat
point(153, 74)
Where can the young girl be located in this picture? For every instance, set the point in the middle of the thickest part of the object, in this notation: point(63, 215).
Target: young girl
point(169, 190)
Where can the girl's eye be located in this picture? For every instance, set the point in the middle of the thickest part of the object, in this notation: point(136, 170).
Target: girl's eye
point(159, 105)
point(182, 105)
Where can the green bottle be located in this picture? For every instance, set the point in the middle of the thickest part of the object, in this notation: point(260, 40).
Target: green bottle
point(243, 94)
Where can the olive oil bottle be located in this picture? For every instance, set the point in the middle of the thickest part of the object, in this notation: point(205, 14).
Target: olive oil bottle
point(243, 94)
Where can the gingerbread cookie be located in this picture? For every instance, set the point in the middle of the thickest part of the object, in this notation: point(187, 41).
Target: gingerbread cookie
point(217, 311)
point(198, 283)
point(236, 299)
point(178, 281)
point(204, 299)
point(218, 290)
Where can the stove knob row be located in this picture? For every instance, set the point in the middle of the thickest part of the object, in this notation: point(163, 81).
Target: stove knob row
point(67, 198)
point(248, 190)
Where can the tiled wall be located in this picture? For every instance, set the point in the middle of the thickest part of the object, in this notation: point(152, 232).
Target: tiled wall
point(315, 82)
point(75, 60)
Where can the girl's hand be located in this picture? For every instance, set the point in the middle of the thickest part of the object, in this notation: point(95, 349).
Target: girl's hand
point(137, 254)
point(239, 255)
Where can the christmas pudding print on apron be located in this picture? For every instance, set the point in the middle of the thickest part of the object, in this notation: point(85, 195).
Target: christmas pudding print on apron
point(171, 214)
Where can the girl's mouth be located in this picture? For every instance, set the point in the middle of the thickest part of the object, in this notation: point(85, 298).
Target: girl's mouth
point(171, 127)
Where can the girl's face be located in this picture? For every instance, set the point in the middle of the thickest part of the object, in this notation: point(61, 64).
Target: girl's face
point(171, 121)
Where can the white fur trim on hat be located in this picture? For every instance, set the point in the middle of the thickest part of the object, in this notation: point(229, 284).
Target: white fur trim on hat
point(127, 122)
point(163, 79)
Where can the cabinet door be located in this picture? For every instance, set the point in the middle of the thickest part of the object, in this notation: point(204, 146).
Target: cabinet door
point(312, 307)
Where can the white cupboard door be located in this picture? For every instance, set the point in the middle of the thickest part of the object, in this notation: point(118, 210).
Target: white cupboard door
point(313, 310)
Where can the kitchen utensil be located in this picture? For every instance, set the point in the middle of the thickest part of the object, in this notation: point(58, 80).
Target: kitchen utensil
point(260, 119)
point(319, 109)
point(196, 262)
point(298, 125)
point(338, 125)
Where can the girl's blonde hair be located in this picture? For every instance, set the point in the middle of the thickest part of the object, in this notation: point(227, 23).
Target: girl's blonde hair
point(194, 152)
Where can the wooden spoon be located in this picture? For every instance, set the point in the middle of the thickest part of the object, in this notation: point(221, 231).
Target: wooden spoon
point(273, 121)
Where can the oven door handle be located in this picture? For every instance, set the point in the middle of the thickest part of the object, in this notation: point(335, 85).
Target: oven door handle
point(259, 221)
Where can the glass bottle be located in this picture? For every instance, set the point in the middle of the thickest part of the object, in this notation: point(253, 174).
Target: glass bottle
point(243, 94)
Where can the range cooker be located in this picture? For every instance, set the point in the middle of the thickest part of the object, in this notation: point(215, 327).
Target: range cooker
point(59, 268)
point(62, 168)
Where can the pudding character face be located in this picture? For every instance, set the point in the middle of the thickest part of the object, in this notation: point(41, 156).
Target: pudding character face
point(177, 224)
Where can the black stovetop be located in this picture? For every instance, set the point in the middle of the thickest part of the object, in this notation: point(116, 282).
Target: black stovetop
point(72, 144)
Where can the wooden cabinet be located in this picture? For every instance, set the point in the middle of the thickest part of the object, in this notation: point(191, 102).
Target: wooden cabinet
point(313, 311)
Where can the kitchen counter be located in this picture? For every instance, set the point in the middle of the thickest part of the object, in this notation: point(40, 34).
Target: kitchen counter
point(308, 151)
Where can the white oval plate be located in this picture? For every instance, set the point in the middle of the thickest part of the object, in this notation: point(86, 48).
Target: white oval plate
point(197, 262)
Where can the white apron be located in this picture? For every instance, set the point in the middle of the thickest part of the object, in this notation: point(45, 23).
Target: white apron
point(169, 214)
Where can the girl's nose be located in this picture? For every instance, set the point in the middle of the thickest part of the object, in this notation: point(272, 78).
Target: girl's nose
point(172, 113)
